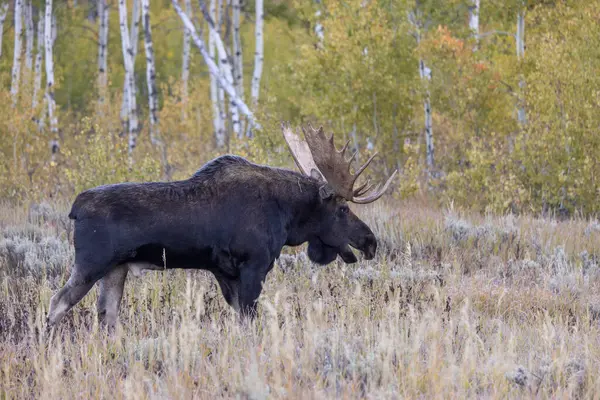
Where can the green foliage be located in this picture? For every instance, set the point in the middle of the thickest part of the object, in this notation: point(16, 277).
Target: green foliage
point(549, 164)
point(104, 160)
point(361, 82)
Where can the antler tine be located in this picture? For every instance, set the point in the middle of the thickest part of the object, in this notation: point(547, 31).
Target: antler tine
point(321, 133)
point(364, 188)
point(361, 187)
point(317, 131)
point(375, 195)
point(352, 157)
point(343, 150)
point(331, 140)
point(365, 165)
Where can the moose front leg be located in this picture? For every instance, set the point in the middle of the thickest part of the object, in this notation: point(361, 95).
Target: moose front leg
point(230, 288)
point(252, 277)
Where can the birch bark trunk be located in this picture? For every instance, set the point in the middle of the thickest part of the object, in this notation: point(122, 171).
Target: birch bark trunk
point(185, 65)
point(29, 37)
point(474, 21)
point(54, 29)
point(128, 61)
point(126, 110)
point(429, 132)
point(37, 80)
point(48, 46)
point(16, 67)
point(258, 57)
point(222, 135)
point(135, 27)
point(238, 56)
point(155, 136)
point(212, 66)
point(3, 14)
point(218, 121)
point(415, 18)
point(319, 29)
point(238, 59)
point(520, 44)
point(103, 18)
point(258, 52)
point(226, 69)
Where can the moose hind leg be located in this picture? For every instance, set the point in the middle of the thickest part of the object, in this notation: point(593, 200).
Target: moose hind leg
point(73, 291)
point(111, 293)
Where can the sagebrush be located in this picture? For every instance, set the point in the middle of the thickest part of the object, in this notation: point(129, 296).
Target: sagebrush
point(453, 306)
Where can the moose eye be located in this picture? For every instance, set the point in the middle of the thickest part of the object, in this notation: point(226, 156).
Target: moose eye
point(344, 209)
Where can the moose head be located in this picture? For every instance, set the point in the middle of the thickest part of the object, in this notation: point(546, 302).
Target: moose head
point(339, 228)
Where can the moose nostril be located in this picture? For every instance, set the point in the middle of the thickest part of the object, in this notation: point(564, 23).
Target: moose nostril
point(371, 241)
point(370, 246)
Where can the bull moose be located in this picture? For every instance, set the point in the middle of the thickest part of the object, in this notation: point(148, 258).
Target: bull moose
point(232, 218)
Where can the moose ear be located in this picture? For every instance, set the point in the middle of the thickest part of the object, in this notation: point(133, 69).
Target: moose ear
point(326, 192)
point(315, 174)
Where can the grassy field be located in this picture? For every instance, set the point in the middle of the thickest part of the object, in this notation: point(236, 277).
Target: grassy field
point(453, 306)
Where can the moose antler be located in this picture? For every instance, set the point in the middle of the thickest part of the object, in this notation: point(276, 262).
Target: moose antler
point(332, 164)
point(299, 150)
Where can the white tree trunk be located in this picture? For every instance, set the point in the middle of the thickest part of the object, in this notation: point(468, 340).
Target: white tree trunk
point(29, 37)
point(185, 65)
point(520, 37)
point(150, 68)
point(213, 68)
point(133, 41)
point(474, 21)
point(16, 68)
point(222, 134)
point(152, 92)
point(319, 30)
point(415, 18)
point(37, 80)
point(238, 55)
point(150, 71)
point(218, 121)
point(48, 45)
point(218, 19)
point(54, 29)
point(3, 14)
point(238, 59)
point(259, 57)
point(134, 31)
point(258, 52)
point(103, 18)
point(520, 44)
point(425, 74)
point(429, 132)
point(226, 69)
point(128, 58)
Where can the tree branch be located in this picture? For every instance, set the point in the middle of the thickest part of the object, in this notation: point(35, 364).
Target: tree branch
point(213, 68)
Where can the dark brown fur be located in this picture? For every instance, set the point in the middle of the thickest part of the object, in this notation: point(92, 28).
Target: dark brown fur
point(232, 218)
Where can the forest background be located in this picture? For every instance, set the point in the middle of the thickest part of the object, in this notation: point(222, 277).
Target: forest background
point(491, 105)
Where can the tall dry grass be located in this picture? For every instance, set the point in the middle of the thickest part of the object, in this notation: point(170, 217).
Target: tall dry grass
point(453, 306)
